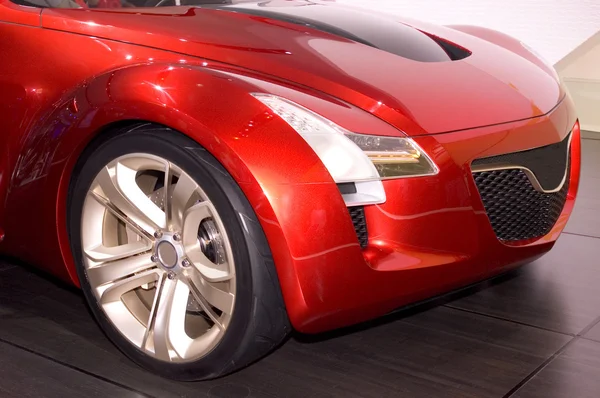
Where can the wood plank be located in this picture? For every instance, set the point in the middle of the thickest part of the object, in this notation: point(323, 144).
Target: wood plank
point(24, 375)
point(438, 352)
point(573, 374)
point(585, 220)
point(557, 292)
point(594, 333)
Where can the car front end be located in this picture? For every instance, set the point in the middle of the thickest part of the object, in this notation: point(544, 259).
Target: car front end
point(387, 160)
point(482, 202)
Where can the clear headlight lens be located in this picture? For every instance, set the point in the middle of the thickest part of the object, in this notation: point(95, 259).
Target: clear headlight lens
point(351, 157)
point(394, 157)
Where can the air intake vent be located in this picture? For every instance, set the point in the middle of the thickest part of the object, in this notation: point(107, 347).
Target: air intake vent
point(360, 224)
point(516, 210)
point(524, 192)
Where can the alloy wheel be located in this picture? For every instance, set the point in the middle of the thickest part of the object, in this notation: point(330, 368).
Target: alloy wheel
point(157, 257)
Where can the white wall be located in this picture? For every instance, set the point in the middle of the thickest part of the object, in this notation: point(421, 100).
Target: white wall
point(553, 27)
point(584, 63)
point(580, 71)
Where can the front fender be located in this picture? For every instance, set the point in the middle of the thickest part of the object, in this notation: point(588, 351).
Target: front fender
point(213, 108)
point(294, 197)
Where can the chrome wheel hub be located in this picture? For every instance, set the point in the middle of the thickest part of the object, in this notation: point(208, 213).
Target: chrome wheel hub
point(158, 258)
point(169, 252)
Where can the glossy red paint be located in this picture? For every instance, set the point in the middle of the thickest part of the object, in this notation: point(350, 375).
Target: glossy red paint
point(403, 92)
point(12, 13)
point(69, 75)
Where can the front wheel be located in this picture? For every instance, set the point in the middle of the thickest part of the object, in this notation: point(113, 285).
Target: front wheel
point(170, 256)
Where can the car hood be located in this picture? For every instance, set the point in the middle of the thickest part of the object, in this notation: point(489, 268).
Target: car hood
point(421, 78)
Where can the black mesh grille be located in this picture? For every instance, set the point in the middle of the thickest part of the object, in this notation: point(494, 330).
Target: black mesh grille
point(360, 224)
point(517, 211)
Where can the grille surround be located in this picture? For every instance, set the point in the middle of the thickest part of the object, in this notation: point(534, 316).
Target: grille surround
point(360, 224)
point(547, 165)
point(517, 208)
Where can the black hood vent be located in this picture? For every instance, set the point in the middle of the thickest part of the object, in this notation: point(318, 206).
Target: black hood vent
point(363, 27)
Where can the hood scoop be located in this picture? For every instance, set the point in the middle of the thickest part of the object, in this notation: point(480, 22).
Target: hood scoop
point(370, 29)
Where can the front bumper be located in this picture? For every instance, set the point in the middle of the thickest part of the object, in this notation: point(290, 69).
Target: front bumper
point(431, 236)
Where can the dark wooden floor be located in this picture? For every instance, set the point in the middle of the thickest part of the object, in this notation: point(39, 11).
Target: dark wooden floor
point(535, 333)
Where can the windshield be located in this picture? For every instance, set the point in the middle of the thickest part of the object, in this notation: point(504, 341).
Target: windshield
point(124, 3)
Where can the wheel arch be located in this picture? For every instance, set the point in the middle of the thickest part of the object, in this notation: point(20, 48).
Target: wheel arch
point(277, 171)
point(118, 102)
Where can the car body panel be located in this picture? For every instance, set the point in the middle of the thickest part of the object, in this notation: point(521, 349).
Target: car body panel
point(502, 85)
point(36, 106)
point(13, 13)
point(431, 235)
point(418, 248)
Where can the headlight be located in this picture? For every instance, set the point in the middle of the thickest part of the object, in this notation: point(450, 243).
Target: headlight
point(353, 158)
point(394, 157)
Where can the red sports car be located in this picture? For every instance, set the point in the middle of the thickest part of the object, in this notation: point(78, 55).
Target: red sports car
point(213, 174)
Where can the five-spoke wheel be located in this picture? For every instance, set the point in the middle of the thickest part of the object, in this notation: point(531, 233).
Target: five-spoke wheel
point(158, 258)
point(170, 256)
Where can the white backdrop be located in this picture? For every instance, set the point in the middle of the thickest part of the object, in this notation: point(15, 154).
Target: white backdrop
point(553, 27)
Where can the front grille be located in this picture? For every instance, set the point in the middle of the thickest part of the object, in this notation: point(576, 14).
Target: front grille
point(516, 210)
point(360, 224)
point(547, 163)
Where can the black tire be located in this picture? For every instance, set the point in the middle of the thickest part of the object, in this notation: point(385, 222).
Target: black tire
point(260, 322)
